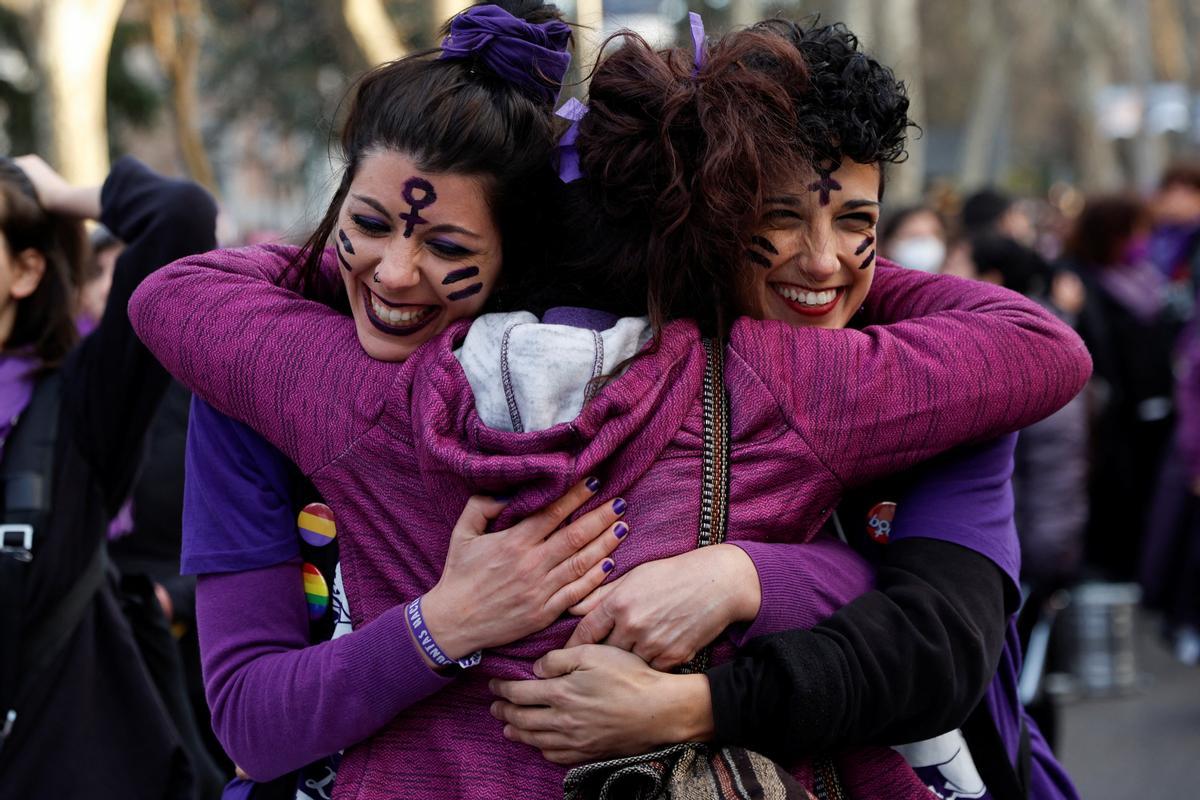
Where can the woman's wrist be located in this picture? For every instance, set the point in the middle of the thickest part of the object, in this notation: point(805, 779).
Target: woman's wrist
point(689, 708)
point(741, 582)
point(454, 640)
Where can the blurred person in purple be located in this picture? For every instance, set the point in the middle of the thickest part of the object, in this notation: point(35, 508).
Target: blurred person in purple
point(1170, 565)
point(1124, 324)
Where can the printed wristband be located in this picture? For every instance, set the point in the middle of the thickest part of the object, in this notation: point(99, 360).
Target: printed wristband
point(416, 624)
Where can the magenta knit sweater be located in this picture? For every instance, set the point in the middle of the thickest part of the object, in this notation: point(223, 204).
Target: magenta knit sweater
point(396, 449)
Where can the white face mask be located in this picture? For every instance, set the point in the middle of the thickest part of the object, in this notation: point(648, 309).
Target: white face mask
point(926, 253)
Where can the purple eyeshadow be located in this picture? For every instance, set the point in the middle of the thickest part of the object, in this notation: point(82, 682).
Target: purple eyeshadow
point(460, 275)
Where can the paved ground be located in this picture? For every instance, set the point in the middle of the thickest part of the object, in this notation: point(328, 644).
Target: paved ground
point(1145, 746)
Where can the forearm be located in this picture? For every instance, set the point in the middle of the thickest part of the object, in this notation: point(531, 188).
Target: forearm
point(302, 381)
point(801, 584)
point(904, 662)
point(159, 220)
point(970, 362)
point(279, 703)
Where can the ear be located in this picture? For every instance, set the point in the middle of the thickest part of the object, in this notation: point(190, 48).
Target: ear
point(29, 266)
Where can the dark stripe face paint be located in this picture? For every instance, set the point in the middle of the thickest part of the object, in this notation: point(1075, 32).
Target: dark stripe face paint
point(463, 294)
point(870, 259)
point(764, 244)
point(758, 258)
point(826, 184)
point(344, 244)
point(459, 275)
point(862, 248)
point(427, 198)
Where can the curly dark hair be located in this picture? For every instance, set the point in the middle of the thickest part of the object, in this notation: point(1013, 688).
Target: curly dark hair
point(854, 106)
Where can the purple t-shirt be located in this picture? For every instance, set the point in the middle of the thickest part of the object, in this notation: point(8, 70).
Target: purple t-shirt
point(966, 498)
point(237, 509)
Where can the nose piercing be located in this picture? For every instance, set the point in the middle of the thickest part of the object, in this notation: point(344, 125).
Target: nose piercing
point(375, 277)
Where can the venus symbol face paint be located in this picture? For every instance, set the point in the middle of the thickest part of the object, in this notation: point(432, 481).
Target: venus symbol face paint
point(418, 251)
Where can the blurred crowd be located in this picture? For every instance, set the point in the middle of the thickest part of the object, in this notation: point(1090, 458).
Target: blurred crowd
point(1108, 487)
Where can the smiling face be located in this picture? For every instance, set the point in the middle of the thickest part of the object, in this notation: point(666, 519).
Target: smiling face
point(418, 251)
point(812, 259)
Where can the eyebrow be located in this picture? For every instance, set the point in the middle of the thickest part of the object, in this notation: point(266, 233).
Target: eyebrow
point(852, 204)
point(375, 204)
point(452, 229)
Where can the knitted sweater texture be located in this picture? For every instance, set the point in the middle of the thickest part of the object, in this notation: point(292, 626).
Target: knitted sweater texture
point(396, 450)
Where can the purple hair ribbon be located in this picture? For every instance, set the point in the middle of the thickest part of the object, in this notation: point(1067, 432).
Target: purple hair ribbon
point(697, 41)
point(532, 57)
point(568, 156)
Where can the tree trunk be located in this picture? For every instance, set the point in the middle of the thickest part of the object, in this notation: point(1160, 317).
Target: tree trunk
point(174, 28)
point(900, 45)
point(989, 101)
point(73, 39)
point(443, 10)
point(1095, 32)
point(373, 30)
point(744, 12)
point(589, 15)
point(859, 16)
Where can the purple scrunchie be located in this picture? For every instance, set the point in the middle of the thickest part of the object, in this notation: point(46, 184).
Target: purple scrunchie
point(533, 57)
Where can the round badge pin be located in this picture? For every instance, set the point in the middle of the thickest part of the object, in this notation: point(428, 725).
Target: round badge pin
point(316, 592)
point(316, 526)
point(879, 522)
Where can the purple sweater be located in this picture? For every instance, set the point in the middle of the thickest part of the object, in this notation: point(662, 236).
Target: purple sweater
point(814, 411)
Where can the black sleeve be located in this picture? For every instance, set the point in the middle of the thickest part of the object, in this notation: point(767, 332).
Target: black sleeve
point(113, 384)
point(904, 662)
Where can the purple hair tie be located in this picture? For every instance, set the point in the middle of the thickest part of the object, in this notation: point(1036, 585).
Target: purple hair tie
point(697, 41)
point(531, 56)
point(568, 155)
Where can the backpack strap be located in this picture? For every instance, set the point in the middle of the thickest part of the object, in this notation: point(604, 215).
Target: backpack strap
point(27, 476)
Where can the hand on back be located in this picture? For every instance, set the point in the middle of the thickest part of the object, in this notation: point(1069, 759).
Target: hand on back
point(499, 587)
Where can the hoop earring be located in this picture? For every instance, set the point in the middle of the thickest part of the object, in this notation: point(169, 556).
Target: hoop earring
point(375, 277)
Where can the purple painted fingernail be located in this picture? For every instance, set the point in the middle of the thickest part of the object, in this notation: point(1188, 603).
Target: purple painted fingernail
point(607, 565)
point(593, 484)
point(619, 505)
point(620, 530)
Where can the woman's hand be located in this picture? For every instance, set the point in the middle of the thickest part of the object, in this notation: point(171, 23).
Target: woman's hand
point(666, 610)
point(499, 587)
point(55, 194)
point(600, 702)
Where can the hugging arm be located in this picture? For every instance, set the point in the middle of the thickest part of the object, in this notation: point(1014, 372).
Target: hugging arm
point(279, 702)
point(289, 367)
point(957, 361)
point(905, 661)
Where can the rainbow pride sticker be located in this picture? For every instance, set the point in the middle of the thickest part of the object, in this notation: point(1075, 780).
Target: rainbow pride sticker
point(316, 592)
point(316, 524)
